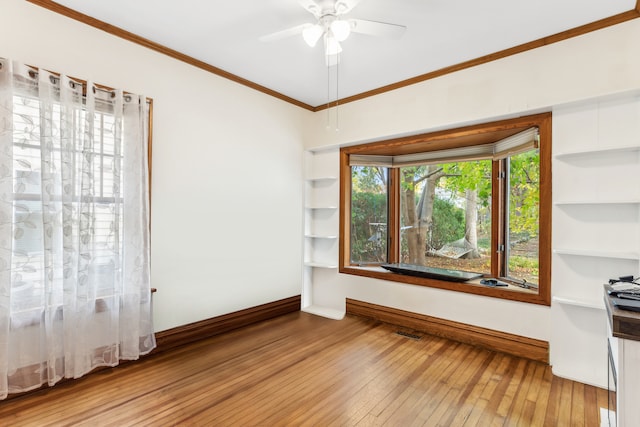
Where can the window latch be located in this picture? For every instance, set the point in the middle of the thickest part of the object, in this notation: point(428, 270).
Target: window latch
point(500, 248)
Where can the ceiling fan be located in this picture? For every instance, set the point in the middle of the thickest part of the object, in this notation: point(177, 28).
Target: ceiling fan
point(333, 27)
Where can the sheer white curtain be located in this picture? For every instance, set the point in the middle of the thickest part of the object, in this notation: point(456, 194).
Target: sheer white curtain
point(74, 232)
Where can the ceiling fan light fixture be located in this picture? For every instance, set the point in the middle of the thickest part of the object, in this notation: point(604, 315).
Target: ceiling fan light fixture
point(312, 34)
point(340, 29)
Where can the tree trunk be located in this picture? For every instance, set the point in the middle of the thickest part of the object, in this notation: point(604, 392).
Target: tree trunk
point(471, 223)
point(419, 217)
point(409, 216)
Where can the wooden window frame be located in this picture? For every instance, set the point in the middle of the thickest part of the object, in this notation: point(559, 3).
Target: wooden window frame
point(455, 138)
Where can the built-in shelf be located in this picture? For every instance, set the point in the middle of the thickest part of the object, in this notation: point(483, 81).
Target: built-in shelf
point(322, 178)
point(586, 153)
point(596, 305)
point(597, 202)
point(598, 254)
point(321, 207)
point(319, 264)
point(330, 313)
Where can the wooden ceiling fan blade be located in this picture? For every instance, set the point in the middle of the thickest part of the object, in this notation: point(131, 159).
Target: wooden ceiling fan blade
point(283, 34)
point(378, 29)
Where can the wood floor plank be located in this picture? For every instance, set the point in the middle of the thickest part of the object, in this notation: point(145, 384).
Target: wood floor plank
point(438, 390)
point(517, 409)
point(602, 399)
point(577, 405)
point(307, 377)
point(359, 407)
point(540, 395)
point(397, 385)
point(300, 369)
point(463, 381)
point(470, 396)
point(393, 368)
point(430, 389)
point(566, 399)
point(513, 385)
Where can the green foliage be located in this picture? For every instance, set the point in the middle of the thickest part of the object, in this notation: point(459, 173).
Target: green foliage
point(484, 242)
point(524, 267)
point(368, 242)
point(523, 262)
point(410, 177)
point(474, 175)
point(368, 207)
point(525, 194)
point(371, 179)
point(448, 223)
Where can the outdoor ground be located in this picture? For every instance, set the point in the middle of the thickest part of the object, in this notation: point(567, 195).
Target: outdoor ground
point(527, 249)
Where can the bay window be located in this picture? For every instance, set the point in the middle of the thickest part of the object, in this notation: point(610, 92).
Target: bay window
point(475, 199)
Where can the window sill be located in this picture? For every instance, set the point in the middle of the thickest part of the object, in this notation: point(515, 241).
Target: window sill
point(511, 292)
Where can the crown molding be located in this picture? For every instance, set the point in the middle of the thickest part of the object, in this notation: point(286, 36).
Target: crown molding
point(564, 35)
point(119, 32)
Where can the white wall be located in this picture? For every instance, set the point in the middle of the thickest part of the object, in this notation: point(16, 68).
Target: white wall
point(594, 65)
point(227, 172)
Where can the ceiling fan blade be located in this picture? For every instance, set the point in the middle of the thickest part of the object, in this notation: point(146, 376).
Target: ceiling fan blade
point(374, 28)
point(345, 6)
point(311, 6)
point(278, 35)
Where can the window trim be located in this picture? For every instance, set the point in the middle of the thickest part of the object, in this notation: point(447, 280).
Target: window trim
point(453, 138)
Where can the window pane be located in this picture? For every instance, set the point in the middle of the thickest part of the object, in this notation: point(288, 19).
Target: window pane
point(369, 207)
point(446, 215)
point(523, 230)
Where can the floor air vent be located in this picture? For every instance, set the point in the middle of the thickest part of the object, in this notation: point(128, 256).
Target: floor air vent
point(408, 335)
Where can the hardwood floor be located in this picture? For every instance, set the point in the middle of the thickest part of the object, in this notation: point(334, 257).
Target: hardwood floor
point(299, 369)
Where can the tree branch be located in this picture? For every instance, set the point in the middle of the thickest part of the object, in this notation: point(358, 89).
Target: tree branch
point(429, 175)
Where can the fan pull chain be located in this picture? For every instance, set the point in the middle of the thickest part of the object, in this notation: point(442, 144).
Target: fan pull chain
point(328, 95)
point(337, 87)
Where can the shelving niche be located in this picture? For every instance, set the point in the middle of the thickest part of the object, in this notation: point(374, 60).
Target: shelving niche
point(596, 225)
point(321, 222)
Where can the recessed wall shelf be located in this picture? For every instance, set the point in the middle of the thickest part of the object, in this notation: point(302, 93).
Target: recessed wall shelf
point(320, 265)
point(604, 151)
point(575, 302)
point(321, 207)
point(321, 228)
point(598, 254)
point(597, 202)
point(596, 221)
point(322, 178)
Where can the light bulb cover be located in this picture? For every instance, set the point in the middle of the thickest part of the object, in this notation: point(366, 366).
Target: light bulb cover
point(340, 29)
point(312, 34)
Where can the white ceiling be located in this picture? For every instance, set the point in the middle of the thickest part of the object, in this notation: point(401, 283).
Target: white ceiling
point(439, 33)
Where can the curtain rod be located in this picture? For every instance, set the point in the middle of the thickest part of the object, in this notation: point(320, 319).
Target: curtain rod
point(33, 72)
